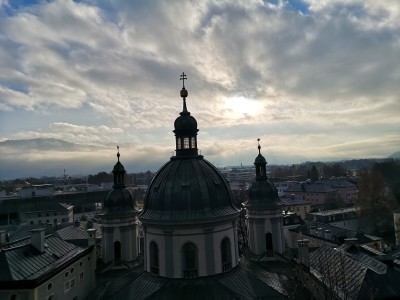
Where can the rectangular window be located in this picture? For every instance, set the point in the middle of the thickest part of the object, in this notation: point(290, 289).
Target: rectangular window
point(178, 143)
point(81, 276)
point(193, 142)
point(186, 143)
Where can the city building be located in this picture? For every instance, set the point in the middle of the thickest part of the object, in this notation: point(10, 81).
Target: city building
point(295, 205)
point(36, 190)
point(315, 193)
point(46, 267)
point(348, 272)
point(49, 212)
point(320, 234)
point(346, 218)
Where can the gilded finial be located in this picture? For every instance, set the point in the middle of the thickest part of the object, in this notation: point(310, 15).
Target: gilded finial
point(259, 147)
point(118, 155)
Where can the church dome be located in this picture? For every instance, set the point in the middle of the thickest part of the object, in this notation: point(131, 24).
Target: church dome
point(185, 122)
point(119, 200)
point(188, 188)
point(262, 193)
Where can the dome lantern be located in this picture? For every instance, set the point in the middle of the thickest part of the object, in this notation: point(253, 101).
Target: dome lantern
point(185, 128)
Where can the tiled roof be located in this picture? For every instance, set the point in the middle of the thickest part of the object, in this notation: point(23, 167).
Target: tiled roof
point(309, 188)
point(40, 206)
point(338, 271)
point(247, 281)
point(338, 234)
point(74, 232)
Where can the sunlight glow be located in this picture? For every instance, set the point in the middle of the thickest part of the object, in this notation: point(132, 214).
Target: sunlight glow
point(242, 106)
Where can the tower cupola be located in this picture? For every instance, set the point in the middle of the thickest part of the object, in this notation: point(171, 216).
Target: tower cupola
point(185, 128)
point(119, 199)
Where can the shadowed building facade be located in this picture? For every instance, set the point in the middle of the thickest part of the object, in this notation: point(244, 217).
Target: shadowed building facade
point(119, 221)
point(264, 213)
point(189, 220)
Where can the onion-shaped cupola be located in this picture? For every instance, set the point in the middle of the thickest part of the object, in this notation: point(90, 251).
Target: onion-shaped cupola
point(119, 199)
point(262, 192)
point(185, 128)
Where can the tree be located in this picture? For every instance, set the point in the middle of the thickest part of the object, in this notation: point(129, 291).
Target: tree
point(374, 203)
point(313, 174)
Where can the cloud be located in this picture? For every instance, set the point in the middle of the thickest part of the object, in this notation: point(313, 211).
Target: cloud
point(320, 74)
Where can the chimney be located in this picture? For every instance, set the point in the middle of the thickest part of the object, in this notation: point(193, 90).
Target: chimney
point(91, 236)
point(3, 237)
point(49, 228)
point(303, 251)
point(328, 234)
point(350, 241)
point(89, 224)
point(37, 239)
point(320, 232)
point(313, 230)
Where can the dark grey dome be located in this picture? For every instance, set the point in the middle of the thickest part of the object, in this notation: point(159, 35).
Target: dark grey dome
point(188, 190)
point(119, 200)
point(260, 159)
point(263, 194)
point(185, 122)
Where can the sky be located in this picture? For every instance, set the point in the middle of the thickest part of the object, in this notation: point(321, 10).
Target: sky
point(315, 80)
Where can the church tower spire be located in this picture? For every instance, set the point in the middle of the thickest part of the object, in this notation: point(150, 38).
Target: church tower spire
point(264, 212)
point(185, 128)
point(119, 221)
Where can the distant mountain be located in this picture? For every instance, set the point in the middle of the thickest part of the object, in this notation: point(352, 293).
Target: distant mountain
point(395, 155)
point(46, 144)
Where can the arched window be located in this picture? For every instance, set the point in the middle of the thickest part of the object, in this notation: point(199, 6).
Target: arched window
point(154, 264)
point(178, 144)
point(226, 255)
point(189, 260)
point(117, 252)
point(268, 244)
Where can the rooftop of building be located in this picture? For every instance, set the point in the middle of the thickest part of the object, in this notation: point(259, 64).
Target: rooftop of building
point(249, 280)
point(24, 266)
point(335, 235)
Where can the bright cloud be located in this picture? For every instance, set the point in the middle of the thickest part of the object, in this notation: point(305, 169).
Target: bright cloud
point(320, 78)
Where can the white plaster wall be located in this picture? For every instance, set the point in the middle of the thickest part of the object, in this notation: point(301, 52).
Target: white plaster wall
point(155, 235)
point(193, 235)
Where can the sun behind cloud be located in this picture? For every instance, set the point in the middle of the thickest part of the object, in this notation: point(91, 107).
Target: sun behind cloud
point(240, 106)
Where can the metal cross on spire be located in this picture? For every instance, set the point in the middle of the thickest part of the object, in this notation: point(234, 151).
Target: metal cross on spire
point(118, 155)
point(259, 147)
point(183, 77)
